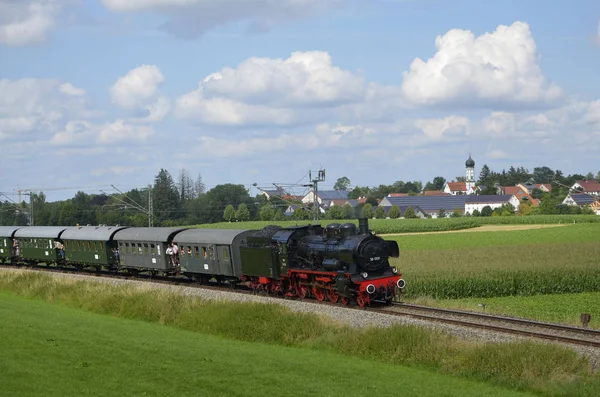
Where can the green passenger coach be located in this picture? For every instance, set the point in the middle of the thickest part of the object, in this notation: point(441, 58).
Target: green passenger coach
point(7, 251)
point(91, 245)
point(212, 252)
point(39, 243)
point(145, 248)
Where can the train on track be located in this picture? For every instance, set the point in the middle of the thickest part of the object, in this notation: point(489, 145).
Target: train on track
point(337, 263)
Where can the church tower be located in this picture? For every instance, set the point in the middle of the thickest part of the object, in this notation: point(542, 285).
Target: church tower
point(470, 173)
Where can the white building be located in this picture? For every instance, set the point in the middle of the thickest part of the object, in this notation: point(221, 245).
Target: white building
point(493, 201)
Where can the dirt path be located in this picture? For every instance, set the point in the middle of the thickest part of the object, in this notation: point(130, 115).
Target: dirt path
point(484, 228)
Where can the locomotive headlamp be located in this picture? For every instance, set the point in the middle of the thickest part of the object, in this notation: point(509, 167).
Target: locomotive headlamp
point(364, 274)
point(394, 269)
point(401, 283)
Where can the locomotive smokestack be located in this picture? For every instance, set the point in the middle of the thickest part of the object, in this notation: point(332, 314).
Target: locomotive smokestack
point(363, 226)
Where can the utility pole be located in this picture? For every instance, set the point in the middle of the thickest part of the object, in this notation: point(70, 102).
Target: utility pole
point(315, 185)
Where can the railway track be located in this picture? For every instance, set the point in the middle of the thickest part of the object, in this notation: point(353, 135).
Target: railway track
point(507, 325)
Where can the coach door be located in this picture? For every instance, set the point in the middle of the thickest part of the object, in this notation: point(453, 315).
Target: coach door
point(224, 258)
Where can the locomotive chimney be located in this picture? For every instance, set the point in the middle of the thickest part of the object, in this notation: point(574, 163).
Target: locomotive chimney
point(363, 226)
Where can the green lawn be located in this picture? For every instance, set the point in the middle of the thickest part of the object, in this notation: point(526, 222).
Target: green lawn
point(51, 350)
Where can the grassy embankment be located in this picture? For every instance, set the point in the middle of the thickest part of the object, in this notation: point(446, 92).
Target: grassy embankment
point(51, 350)
point(384, 226)
point(476, 268)
point(540, 368)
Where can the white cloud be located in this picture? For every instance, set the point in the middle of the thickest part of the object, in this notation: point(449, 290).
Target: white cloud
point(139, 90)
point(69, 89)
point(30, 106)
point(304, 79)
point(492, 69)
point(496, 154)
point(274, 91)
point(498, 123)
point(323, 137)
point(26, 22)
point(445, 128)
point(83, 133)
point(193, 18)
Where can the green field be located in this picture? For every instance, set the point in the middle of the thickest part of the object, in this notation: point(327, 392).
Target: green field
point(384, 226)
point(473, 264)
point(180, 345)
point(51, 350)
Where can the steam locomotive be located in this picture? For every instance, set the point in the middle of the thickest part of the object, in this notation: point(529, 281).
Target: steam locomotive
point(337, 263)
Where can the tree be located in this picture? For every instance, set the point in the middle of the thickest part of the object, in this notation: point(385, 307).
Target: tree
point(461, 179)
point(243, 213)
point(476, 212)
point(486, 211)
point(185, 185)
point(457, 213)
point(229, 213)
point(215, 200)
point(380, 212)
point(342, 183)
point(279, 215)
point(348, 211)
point(166, 196)
point(199, 187)
point(395, 212)
point(410, 213)
point(543, 174)
point(267, 213)
point(301, 214)
point(439, 182)
point(484, 175)
point(441, 213)
point(368, 211)
point(335, 212)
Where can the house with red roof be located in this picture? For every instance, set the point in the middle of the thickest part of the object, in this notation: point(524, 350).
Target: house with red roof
point(588, 186)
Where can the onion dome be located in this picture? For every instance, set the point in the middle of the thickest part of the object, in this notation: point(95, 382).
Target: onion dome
point(470, 163)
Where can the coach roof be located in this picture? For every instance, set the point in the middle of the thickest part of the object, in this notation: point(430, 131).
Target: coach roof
point(209, 236)
point(40, 231)
point(147, 233)
point(7, 231)
point(93, 233)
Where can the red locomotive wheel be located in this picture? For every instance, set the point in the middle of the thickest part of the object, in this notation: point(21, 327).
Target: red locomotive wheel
point(302, 290)
point(319, 293)
point(361, 300)
point(333, 296)
point(345, 301)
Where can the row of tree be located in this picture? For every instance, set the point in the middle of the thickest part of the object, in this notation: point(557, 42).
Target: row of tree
point(185, 201)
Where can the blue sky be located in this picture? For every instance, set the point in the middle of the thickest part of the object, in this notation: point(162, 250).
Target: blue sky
point(101, 92)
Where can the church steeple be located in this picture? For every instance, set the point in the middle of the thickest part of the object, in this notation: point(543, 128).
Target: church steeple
point(470, 173)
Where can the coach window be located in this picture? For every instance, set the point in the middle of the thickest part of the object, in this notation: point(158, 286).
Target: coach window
point(204, 252)
point(146, 250)
point(101, 245)
point(212, 252)
point(225, 254)
point(196, 252)
point(95, 249)
point(89, 246)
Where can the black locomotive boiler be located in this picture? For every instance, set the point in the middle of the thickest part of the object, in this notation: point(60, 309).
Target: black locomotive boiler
point(339, 262)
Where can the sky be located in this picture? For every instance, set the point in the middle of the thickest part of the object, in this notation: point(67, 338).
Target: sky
point(102, 93)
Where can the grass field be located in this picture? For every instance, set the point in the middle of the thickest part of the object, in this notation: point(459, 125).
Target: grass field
point(385, 226)
point(502, 263)
point(51, 350)
point(324, 352)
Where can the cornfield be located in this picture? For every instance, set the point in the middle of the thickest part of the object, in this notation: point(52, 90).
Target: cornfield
point(389, 226)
